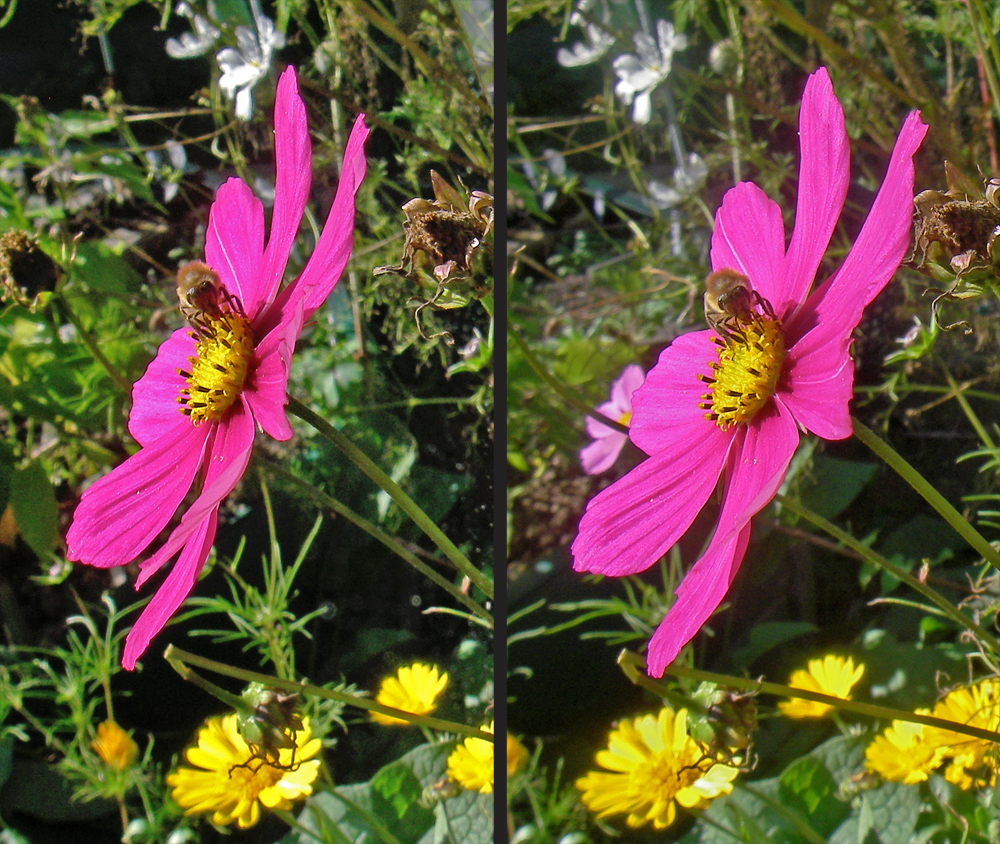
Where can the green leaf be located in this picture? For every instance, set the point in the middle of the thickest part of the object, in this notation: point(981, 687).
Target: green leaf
point(34, 503)
point(771, 634)
point(835, 483)
point(389, 805)
point(806, 786)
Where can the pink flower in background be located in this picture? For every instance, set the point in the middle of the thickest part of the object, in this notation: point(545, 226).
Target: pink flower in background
point(733, 408)
point(196, 409)
point(602, 453)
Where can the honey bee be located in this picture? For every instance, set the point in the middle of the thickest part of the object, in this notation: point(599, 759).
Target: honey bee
point(729, 300)
point(199, 292)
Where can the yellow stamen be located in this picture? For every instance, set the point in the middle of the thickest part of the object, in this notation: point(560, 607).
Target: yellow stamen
point(625, 418)
point(220, 367)
point(747, 372)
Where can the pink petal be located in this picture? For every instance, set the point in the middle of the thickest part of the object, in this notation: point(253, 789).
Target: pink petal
point(609, 409)
point(821, 385)
point(835, 308)
point(334, 247)
point(234, 243)
point(749, 237)
point(602, 453)
point(175, 588)
point(229, 454)
point(665, 408)
point(824, 175)
point(699, 595)
point(625, 385)
point(268, 396)
point(756, 467)
point(155, 409)
point(119, 515)
point(636, 520)
point(293, 156)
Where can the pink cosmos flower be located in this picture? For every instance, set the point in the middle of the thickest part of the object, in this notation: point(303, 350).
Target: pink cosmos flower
point(197, 408)
point(733, 407)
point(602, 453)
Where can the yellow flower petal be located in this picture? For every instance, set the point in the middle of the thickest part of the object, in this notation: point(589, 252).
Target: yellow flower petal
point(656, 766)
point(415, 689)
point(115, 747)
point(471, 764)
point(232, 783)
point(831, 675)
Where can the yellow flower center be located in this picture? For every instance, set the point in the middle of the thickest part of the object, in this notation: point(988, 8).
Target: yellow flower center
point(250, 780)
point(747, 372)
point(663, 774)
point(220, 367)
point(625, 418)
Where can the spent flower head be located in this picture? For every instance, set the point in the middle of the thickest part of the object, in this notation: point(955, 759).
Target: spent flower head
point(640, 74)
point(212, 385)
point(655, 766)
point(471, 763)
point(602, 453)
point(415, 688)
point(742, 394)
point(831, 675)
point(230, 780)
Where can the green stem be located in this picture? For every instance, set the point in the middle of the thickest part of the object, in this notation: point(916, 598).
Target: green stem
point(388, 541)
point(395, 492)
point(635, 663)
point(566, 395)
point(928, 493)
point(936, 598)
point(120, 380)
point(180, 660)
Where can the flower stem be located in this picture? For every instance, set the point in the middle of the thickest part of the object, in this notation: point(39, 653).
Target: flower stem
point(395, 492)
point(120, 380)
point(560, 389)
point(928, 493)
point(182, 660)
point(388, 541)
point(946, 606)
point(634, 665)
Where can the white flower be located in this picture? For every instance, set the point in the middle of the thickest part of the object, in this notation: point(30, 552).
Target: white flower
point(245, 65)
point(193, 44)
point(688, 178)
point(598, 43)
point(638, 75)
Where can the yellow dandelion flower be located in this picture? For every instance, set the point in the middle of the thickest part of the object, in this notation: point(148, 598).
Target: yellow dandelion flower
point(415, 689)
point(232, 783)
point(656, 765)
point(115, 746)
point(517, 755)
point(974, 761)
point(471, 763)
point(902, 753)
point(831, 675)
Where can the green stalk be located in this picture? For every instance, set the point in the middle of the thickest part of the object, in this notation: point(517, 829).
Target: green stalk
point(390, 542)
point(928, 493)
point(936, 598)
point(181, 660)
point(632, 662)
point(560, 389)
point(395, 492)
